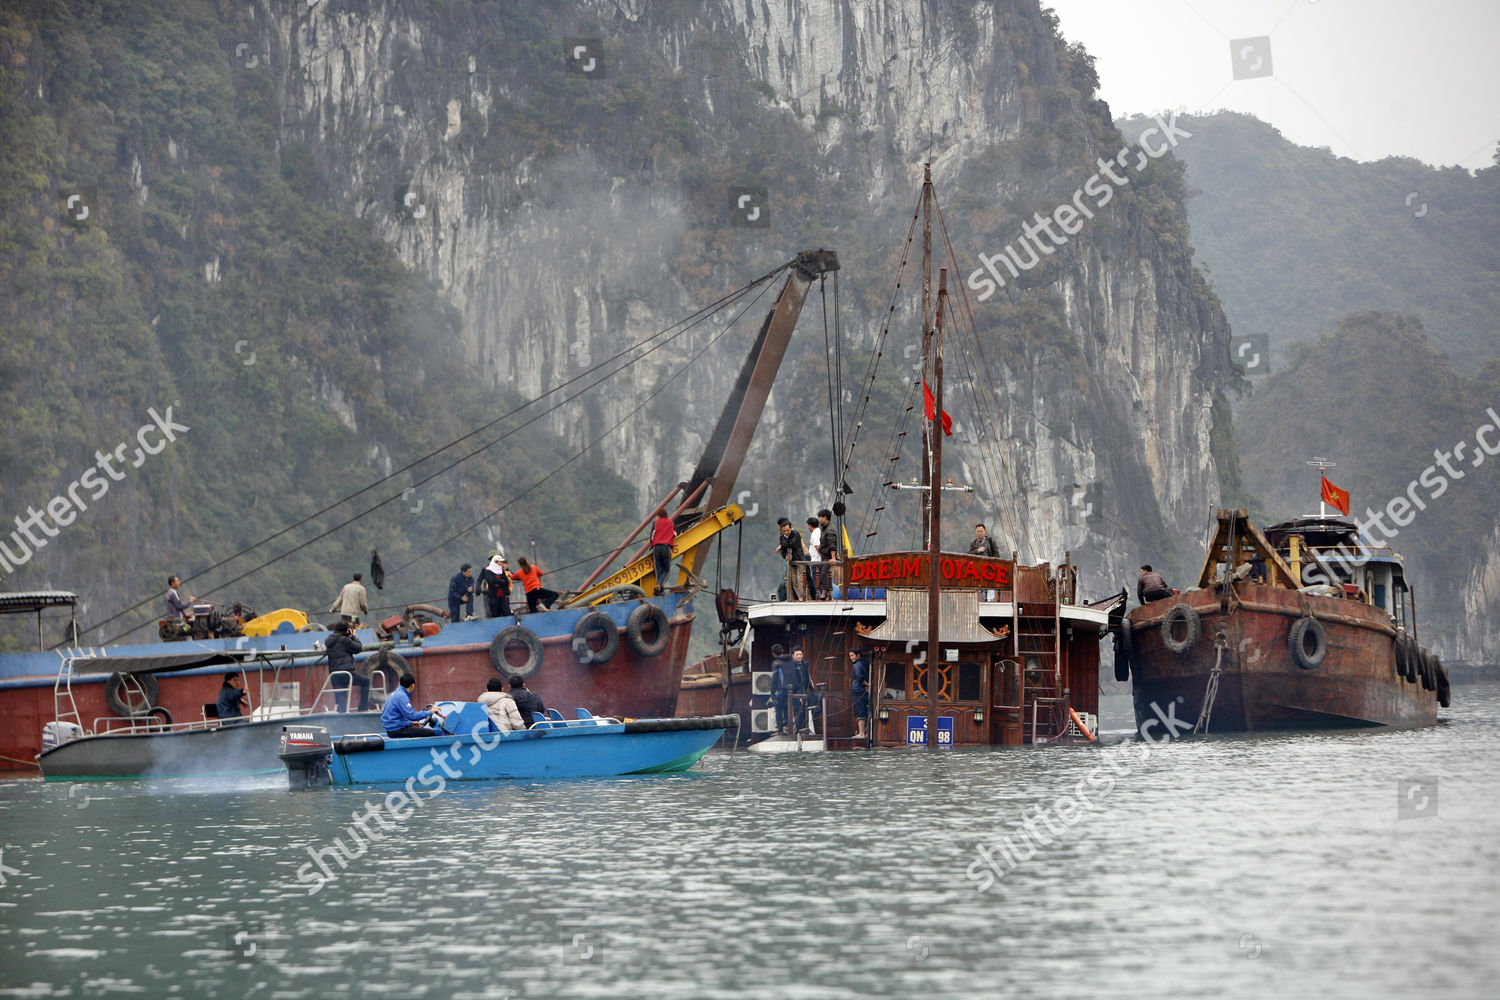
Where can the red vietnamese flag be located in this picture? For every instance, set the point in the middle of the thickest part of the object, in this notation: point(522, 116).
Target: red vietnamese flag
point(1334, 497)
point(931, 404)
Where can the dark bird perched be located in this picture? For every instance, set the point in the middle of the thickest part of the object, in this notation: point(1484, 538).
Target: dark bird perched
point(377, 571)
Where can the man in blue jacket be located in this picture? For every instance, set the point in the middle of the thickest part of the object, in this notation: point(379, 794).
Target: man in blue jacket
point(399, 718)
point(461, 594)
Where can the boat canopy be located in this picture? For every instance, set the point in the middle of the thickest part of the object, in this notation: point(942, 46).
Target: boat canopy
point(906, 618)
point(155, 664)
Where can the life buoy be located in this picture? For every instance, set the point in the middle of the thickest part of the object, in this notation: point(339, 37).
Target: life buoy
point(635, 630)
point(121, 685)
point(1192, 625)
point(508, 638)
point(1124, 649)
point(1308, 642)
point(593, 623)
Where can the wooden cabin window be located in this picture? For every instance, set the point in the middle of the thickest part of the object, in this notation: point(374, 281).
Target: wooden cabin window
point(895, 681)
point(970, 682)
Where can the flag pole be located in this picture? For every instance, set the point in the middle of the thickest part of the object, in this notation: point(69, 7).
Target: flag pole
point(1322, 465)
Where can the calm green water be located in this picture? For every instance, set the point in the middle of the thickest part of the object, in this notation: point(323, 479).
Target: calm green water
point(1241, 867)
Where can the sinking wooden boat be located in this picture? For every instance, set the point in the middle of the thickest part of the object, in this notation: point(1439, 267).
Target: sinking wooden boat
point(1304, 626)
point(554, 747)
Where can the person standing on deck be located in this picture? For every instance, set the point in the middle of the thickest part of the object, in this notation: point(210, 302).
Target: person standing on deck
point(351, 602)
point(804, 700)
point(983, 544)
point(531, 583)
point(817, 573)
point(1151, 587)
point(828, 550)
point(527, 701)
point(461, 593)
point(663, 534)
point(782, 674)
point(342, 646)
point(859, 693)
point(232, 700)
point(789, 545)
point(494, 583)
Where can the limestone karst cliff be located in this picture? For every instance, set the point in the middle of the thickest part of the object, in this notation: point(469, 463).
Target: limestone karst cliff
point(565, 216)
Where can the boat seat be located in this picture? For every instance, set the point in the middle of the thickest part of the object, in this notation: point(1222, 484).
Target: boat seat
point(538, 717)
point(584, 713)
point(554, 715)
point(210, 710)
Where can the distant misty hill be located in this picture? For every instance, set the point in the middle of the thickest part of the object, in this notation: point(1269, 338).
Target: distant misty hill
point(1294, 238)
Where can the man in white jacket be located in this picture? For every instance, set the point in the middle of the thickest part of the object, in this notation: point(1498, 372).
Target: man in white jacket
point(501, 707)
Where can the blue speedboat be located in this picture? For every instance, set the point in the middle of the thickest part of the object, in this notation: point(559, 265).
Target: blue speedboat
point(554, 747)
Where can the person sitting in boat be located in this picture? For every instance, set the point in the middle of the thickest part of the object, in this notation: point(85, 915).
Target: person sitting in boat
point(1151, 587)
point(501, 707)
point(176, 607)
point(352, 601)
point(399, 719)
point(538, 598)
point(341, 648)
point(782, 676)
point(527, 701)
point(232, 699)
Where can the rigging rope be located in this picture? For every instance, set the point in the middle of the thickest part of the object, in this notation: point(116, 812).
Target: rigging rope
point(686, 325)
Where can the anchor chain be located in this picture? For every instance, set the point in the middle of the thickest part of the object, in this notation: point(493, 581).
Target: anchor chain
point(1211, 691)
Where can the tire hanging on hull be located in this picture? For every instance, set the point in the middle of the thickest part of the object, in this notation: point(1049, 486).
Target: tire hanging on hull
point(119, 684)
point(595, 621)
point(1192, 627)
point(635, 630)
point(514, 635)
point(1308, 642)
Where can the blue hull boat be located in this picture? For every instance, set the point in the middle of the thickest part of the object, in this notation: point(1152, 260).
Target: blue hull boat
point(586, 747)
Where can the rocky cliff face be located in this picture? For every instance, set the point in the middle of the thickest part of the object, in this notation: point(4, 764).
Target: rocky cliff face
point(569, 216)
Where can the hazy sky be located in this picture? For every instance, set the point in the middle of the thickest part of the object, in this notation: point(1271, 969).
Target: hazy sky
point(1366, 78)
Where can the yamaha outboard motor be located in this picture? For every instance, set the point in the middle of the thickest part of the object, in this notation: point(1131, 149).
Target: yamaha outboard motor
point(307, 752)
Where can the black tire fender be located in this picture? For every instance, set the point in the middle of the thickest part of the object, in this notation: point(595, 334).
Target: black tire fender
point(1406, 654)
point(514, 635)
point(1192, 626)
point(595, 621)
point(1429, 675)
point(116, 687)
point(1124, 649)
point(387, 659)
point(162, 717)
point(1307, 631)
point(635, 630)
point(1444, 689)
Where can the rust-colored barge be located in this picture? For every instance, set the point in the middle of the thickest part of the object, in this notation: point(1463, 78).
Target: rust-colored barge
point(1303, 626)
